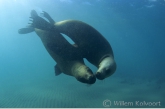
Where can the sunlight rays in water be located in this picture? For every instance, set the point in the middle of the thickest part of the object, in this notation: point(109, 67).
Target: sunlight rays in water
point(3, 2)
point(12, 4)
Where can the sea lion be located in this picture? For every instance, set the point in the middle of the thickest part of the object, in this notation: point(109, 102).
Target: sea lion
point(66, 55)
point(93, 46)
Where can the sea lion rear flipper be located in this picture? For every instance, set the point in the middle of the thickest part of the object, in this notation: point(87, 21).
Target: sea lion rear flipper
point(57, 70)
point(40, 23)
point(25, 30)
point(32, 25)
point(46, 15)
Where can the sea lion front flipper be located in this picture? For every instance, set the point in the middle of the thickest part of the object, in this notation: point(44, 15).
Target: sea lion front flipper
point(57, 70)
point(75, 45)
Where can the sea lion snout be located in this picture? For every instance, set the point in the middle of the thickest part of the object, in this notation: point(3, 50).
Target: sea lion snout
point(106, 68)
point(102, 75)
point(89, 79)
point(85, 75)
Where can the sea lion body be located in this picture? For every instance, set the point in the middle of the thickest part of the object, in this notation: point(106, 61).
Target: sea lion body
point(70, 66)
point(93, 46)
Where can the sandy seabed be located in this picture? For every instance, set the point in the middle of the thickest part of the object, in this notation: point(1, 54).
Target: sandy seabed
point(55, 93)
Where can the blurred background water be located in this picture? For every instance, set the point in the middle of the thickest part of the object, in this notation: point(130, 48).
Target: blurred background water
point(134, 28)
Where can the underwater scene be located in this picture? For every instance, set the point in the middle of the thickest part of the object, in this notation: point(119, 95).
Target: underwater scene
point(39, 72)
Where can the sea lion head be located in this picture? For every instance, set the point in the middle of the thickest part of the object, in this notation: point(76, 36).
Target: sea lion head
point(85, 75)
point(106, 68)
